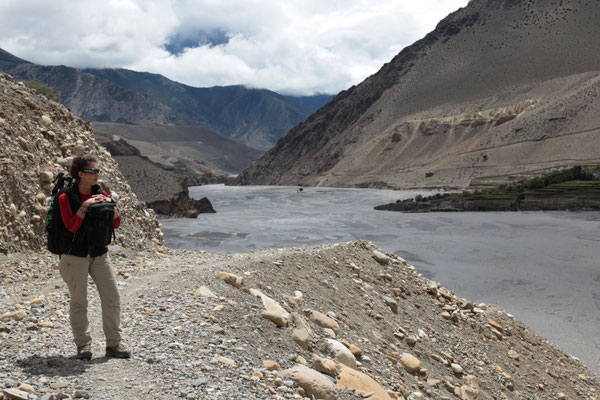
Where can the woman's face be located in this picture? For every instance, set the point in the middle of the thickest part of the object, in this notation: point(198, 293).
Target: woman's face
point(89, 176)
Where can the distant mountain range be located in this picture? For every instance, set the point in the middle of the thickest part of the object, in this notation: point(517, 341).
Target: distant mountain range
point(254, 117)
point(500, 87)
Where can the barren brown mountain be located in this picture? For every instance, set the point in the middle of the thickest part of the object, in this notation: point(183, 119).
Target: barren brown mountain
point(499, 87)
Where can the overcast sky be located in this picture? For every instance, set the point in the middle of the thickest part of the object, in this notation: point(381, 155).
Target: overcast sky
point(289, 46)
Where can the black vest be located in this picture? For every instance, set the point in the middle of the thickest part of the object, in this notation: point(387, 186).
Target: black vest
point(79, 240)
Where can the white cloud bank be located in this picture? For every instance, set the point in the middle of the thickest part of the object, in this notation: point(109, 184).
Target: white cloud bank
point(290, 46)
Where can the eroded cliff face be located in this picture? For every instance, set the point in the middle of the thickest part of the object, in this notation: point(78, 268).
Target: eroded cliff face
point(488, 92)
point(38, 138)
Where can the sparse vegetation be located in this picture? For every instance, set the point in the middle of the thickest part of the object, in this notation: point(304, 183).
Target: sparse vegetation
point(43, 89)
point(573, 188)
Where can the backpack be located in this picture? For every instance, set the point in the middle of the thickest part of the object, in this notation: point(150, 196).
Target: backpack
point(99, 225)
point(55, 226)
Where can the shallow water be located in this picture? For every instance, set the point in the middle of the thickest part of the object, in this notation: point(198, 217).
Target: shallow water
point(543, 267)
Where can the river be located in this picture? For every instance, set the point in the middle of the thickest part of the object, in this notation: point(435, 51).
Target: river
point(542, 267)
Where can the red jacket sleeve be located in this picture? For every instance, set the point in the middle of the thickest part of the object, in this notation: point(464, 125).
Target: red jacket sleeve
point(71, 221)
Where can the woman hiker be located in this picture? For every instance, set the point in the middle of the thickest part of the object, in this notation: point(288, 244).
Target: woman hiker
point(83, 259)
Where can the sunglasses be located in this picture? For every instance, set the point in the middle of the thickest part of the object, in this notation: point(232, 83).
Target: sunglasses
point(93, 171)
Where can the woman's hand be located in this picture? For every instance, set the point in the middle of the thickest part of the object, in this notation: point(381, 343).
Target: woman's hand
point(97, 198)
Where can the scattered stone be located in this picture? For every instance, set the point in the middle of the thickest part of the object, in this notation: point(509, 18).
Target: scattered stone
point(312, 382)
point(411, 340)
point(26, 388)
point(355, 350)
point(513, 354)
point(391, 303)
point(381, 258)
point(59, 385)
point(257, 375)
point(410, 363)
point(302, 338)
point(386, 277)
point(470, 391)
point(271, 365)
point(457, 369)
point(46, 120)
point(329, 333)
point(341, 353)
point(361, 383)
point(232, 279)
point(324, 321)
point(277, 318)
point(224, 360)
point(15, 394)
point(432, 288)
point(203, 291)
point(495, 325)
point(324, 365)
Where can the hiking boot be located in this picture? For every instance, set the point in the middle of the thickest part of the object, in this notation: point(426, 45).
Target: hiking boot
point(84, 352)
point(117, 351)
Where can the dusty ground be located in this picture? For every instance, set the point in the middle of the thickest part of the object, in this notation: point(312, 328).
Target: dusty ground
point(186, 345)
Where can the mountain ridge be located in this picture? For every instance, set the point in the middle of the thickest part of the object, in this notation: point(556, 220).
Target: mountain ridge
point(413, 123)
point(254, 117)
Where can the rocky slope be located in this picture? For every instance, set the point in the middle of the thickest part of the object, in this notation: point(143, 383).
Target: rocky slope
point(260, 325)
point(164, 191)
point(37, 139)
point(499, 87)
point(194, 151)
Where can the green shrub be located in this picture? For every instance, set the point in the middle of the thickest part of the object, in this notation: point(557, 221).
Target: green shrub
point(43, 89)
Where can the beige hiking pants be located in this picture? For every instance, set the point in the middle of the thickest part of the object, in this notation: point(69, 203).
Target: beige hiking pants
point(74, 271)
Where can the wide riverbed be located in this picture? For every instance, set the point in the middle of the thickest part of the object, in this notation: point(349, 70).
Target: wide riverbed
point(543, 267)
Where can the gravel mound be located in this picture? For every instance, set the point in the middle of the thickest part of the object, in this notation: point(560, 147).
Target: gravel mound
point(206, 326)
point(38, 139)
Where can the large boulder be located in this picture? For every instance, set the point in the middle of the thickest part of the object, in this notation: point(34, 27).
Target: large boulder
point(182, 205)
point(313, 382)
point(355, 380)
point(341, 353)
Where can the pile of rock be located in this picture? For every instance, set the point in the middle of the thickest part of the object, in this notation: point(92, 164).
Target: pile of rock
point(38, 139)
point(276, 324)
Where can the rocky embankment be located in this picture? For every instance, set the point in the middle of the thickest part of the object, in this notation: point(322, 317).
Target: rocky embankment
point(333, 321)
point(573, 189)
point(165, 192)
point(38, 138)
point(510, 204)
point(182, 205)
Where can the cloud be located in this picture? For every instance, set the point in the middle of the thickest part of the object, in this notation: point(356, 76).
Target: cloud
point(291, 46)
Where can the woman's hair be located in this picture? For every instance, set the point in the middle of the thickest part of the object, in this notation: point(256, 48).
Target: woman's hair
point(80, 163)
